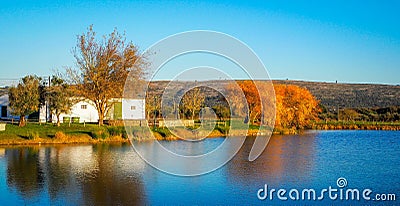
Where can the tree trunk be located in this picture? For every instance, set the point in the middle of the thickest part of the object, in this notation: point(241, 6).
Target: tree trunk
point(21, 121)
point(101, 119)
point(101, 110)
point(58, 120)
point(255, 118)
point(148, 114)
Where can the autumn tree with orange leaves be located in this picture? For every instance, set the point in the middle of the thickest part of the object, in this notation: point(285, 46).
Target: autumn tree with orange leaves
point(259, 99)
point(295, 107)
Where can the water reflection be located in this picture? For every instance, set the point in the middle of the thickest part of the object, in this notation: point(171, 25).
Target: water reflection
point(24, 172)
point(287, 159)
point(106, 174)
point(85, 174)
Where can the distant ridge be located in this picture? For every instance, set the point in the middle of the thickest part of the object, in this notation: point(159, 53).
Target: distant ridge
point(346, 95)
point(331, 95)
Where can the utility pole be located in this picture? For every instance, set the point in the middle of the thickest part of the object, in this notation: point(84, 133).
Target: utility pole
point(337, 108)
point(154, 116)
point(338, 113)
point(175, 110)
point(48, 118)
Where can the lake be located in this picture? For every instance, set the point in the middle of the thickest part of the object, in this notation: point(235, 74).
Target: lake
point(105, 174)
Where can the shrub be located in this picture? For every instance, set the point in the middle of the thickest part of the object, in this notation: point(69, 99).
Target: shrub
point(117, 131)
point(164, 132)
point(60, 136)
point(114, 131)
point(222, 129)
point(33, 135)
point(103, 134)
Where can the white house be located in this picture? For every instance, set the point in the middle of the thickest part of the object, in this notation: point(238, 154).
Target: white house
point(127, 109)
point(85, 110)
point(133, 109)
point(5, 112)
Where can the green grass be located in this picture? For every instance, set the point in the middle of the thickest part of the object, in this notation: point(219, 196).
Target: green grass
point(35, 130)
point(358, 123)
point(164, 132)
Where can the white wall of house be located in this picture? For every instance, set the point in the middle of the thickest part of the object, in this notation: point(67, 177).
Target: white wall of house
point(44, 113)
point(85, 110)
point(133, 109)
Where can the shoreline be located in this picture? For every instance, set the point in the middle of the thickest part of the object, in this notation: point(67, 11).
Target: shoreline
point(72, 141)
point(86, 139)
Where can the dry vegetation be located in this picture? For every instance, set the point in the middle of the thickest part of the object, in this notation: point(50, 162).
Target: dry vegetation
point(345, 95)
point(330, 95)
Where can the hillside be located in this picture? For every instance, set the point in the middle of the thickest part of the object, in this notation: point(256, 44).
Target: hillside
point(331, 95)
point(343, 95)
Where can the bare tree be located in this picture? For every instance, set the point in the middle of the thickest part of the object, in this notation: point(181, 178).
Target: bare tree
point(102, 68)
point(193, 101)
point(24, 98)
point(153, 105)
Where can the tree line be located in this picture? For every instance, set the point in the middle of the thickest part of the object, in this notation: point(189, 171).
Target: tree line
point(102, 67)
point(32, 93)
point(286, 106)
point(374, 114)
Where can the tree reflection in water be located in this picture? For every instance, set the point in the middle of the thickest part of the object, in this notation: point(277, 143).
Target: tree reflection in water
point(23, 172)
point(285, 157)
point(80, 174)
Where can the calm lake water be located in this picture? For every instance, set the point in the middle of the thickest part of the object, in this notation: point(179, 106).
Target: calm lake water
point(107, 174)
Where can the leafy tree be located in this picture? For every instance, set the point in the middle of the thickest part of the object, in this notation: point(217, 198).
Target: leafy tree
point(237, 104)
point(103, 67)
point(249, 89)
point(153, 105)
point(192, 101)
point(59, 97)
point(295, 106)
point(24, 98)
point(222, 111)
point(253, 99)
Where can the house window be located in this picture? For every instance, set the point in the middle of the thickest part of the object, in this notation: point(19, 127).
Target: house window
point(84, 106)
point(133, 107)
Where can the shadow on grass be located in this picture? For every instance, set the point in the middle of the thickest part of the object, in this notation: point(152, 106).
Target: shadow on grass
point(24, 136)
point(80, 132)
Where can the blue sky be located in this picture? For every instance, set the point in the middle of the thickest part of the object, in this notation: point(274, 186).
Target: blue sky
point(356, 41)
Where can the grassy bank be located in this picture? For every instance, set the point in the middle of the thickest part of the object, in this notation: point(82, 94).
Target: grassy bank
point(34, 133)
point(355, 125)
point(191, 133)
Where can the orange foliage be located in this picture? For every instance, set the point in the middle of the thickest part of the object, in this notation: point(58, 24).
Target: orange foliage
point(259, 96)
point(295, 106)
point(253, 98)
